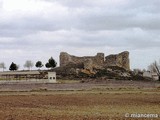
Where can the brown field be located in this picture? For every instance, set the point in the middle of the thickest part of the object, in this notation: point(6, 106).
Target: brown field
point(101, 102)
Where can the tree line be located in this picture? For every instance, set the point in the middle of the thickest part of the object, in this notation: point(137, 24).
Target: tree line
point(29, 64)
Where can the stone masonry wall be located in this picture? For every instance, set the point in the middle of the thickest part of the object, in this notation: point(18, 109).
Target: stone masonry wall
point(98, 61)
point(120, 60)
point(89, 62)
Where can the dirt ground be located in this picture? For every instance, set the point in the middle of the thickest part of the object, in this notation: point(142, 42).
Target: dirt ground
point(102, 102)
point(74, 85)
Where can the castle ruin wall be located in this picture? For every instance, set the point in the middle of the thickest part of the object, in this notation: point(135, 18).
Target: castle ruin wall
point(89, 62)
point(98, 61)
point(120, 60)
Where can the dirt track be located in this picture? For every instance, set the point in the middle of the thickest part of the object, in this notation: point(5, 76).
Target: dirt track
point(77, 86)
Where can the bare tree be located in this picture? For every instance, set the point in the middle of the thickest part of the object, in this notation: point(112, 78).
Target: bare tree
point(2, 65)
point(155, 67)
point(29, 64)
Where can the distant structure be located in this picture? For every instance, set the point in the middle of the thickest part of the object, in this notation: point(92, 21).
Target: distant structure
point(18, 75)
point(89, 62)
point(152, 75)
point(52, 77)
point(27, 77)
point(96, 62)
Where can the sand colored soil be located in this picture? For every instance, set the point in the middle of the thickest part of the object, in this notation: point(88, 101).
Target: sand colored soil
point(91, 105)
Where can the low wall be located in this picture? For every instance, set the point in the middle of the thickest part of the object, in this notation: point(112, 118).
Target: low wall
point(31, 81)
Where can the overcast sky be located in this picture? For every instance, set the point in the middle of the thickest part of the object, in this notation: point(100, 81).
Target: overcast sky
point(38, 29)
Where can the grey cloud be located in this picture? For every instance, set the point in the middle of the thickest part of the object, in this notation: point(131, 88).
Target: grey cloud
point(1, 4)
point(23, 26)
point(91, 18)
point(87, 24)
point(103, 19)
point(145, 5)
point(77, 38)
point(135, 13)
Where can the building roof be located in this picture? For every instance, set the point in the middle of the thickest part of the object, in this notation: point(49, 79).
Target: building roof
point(20, 73)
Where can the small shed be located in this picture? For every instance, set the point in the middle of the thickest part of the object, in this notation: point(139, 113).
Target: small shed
point(155, 76)
point(147, 74)
point(52, 77)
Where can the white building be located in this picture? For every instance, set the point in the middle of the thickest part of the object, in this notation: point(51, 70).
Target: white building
point(152, 75)
point(52, 77)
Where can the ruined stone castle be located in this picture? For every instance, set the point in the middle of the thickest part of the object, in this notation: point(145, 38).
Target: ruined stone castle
point(96, 62)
